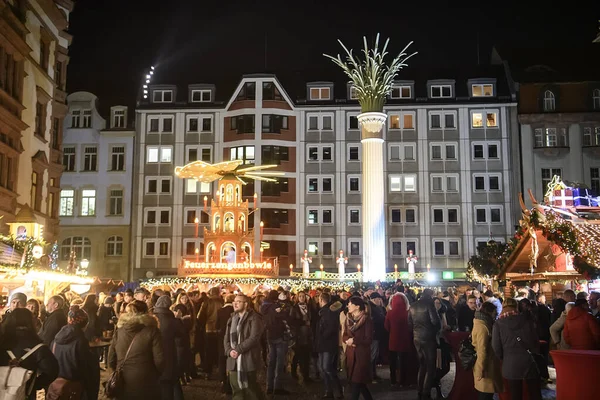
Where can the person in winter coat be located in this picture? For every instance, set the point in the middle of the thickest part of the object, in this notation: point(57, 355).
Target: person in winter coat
point(400, 343)
point(223, 316)
point(513, 335)
point(301, 318)
point(107, 316)
point(358, 335)
point(208, 319)
point(327, 344)
point(18, 336)
point(377, 314)
point(90, 306)
point(143, 367)
point(276, 314)
point(33, 305)
point(487, 372)
point(55, 320)
point(171, 330)
point(556, 329)
point(242, 346)
point(76, 361)
point(426, 324)
point(582, 330)
point(183, 310)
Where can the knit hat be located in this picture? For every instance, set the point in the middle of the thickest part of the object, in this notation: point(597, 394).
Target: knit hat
point(109, 300)
point(77, 316)
point(163, 302)
point(20, 296)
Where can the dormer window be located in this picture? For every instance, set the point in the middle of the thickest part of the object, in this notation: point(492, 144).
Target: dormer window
point(441, 91)
point(320, 93)
point(549, 101)
point(248, 92)
point(483, 90)
point(201, 96)
point(596, 99)
point(401, 92)
point(118, 118)
point(162, 96)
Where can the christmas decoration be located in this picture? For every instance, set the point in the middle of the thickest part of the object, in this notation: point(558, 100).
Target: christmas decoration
point(54, 256)
point(25, 246)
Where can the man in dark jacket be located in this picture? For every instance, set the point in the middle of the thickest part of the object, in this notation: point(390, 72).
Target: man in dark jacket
point(55, 320)
point(465, 314)
point(223, 316)
point(276, 313)
point(327, 342)
point(208, 319)
point(171, 329)
point(377, 311)
point(76, 362)
point(426, 324)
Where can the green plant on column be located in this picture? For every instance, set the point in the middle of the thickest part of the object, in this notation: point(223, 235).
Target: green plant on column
point(372, 79)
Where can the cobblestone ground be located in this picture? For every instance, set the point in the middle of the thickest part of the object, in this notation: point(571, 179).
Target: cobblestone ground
point(201, 389)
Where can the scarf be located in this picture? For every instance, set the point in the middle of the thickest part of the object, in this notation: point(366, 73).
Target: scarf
point(303, 308)
point(236, 337)
point(355, 322)
point(486, 318)
point(508, 313)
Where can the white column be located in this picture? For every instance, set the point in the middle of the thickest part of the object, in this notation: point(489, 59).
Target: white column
point(373, 191)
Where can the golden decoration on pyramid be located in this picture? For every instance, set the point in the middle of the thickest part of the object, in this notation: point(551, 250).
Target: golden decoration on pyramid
point(205, 172)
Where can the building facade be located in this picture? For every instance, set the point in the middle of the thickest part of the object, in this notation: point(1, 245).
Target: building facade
point(560, 133)
point(448, 166)
point(33, 65)
point(96, 187)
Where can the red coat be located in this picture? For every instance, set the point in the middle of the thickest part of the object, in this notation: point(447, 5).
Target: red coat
point(358, 356)
point(582, 330)
point(396, 323)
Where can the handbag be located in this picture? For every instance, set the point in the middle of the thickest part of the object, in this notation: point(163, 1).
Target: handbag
point(63, 389)
point(14, 379)
point(467, 353)
point(114, 385)
point(537, 360)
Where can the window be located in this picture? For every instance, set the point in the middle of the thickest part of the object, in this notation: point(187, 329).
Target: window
point(243, 124)
point(318, 247)
point(313, 123)
point(114, 246)
point(446, 247)
point(192, 214)
point(160, 154)
point(550, 137)
point(56, 133)
point(158, 185)
point(75, 118)
point(398, 249)
point(69, 159)
point(115, 206)
point(275, 154)
point(195, 153)
point(595, 177)
point(485, 150)
point(442, 120)
point(402, 121)
point(320, 93)
point(322, 214)
point(117, 162)
point(119, 119)
point(247, 92)
point(191, 186)
point(353, 152)
point(270, 92)
point(274, 188)
point(399, 215)
point(401, 92)
point(87, 118)
point(547, 175)
point(402, 183)
point(162, 96)
point(596, 99)
point(481, 119)
point(157, 216)
point(201, 96)
point(40, 119)
point(354, 215)
point(443, 151)
point(34, 191)
point(88, 202)
point(482, 90)
point(441, 91)
point(274, 123)
point(245, 153)
point(274, 217)
point(353, 95)
point(80, 246)
point(549, 101)
point(90, 159)
point(487, 182)
point(352, 122)
point(319, 184)
point(353, 184)
point(445, 215)
point(401, 152)
point(444, 183)
point(167, 125)
point(319, 153)
point(158, 248)
point(355, 247)
point(44, 52)
point(591, 137)
point(67, 201)
point(320, 122)
point(488, 214)
point(154, 123)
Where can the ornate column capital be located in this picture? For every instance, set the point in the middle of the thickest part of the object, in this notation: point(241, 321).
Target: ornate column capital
point(372, 124)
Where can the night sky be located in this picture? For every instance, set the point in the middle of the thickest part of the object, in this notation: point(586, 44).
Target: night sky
point(207, 41)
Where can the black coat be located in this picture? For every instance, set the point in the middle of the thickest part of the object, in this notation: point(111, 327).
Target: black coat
point(378, 319)
point(424, 320)
point(42, 361)
point(544, 316)
point(105, 319)
point(92, 331)
point(274, 320)
point(302, 323)
point(465, 318)
point(327, 336)
point(172, 330)
point(223, 315)
point(52, 325)
point(516, 362)
point(76, 361)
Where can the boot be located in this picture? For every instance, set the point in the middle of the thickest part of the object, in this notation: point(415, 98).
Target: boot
point(438, 391)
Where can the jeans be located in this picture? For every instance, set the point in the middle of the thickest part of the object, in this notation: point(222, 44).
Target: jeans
point(327, 367)
point(374, 356)
point(533, 388)
point(358, 389)
point(252, 392)
point(277, 362)
point(426, 352)
point(171, 390)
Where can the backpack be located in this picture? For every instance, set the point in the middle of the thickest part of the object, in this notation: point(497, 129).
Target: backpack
point(14, 379)
point(467, 354)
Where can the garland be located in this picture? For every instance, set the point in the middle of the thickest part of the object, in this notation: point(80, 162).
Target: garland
point(25, 246)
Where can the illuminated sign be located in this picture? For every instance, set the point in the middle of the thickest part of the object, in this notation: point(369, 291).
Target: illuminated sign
point(191, 267)
point(448, 275)
point(403, 275)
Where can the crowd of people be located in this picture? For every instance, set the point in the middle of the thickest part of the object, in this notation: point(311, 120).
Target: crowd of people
point(161, 341)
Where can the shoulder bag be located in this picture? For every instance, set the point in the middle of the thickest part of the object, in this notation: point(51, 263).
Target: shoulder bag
point(114, 385)
point(537, 361)
point(467, 353)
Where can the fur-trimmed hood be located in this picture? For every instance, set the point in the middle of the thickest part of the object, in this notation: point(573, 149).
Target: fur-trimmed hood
point(136, 322)
point(336, 306)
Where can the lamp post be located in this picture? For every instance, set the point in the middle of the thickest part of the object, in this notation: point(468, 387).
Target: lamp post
point(372, 80)
point(84, 266)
